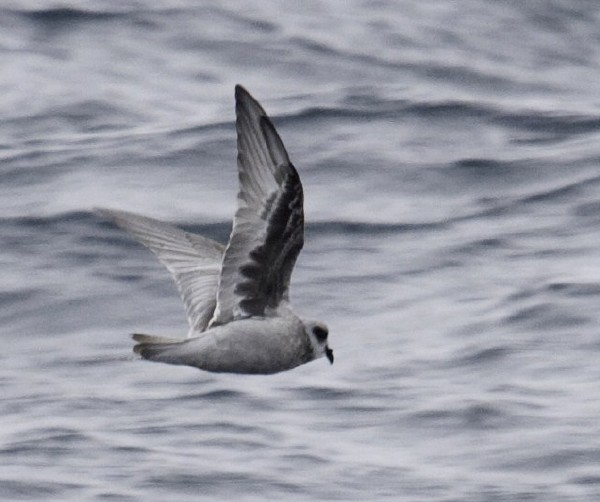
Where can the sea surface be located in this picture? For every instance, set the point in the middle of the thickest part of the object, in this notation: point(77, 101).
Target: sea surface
point(450, 156)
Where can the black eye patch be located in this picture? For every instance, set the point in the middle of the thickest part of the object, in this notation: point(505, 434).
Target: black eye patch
point(320, 333)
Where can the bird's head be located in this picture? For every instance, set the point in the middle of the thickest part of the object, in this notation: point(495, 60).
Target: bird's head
point(317, 333)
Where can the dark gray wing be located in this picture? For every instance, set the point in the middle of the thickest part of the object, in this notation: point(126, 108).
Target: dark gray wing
point(268, 227)
point(193, 260)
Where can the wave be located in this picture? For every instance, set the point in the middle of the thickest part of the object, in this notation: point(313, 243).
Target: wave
point(57, 16)
point(89, 218)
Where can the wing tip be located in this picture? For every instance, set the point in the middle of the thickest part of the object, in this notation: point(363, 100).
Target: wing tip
point(245, 100)
point(242, 95)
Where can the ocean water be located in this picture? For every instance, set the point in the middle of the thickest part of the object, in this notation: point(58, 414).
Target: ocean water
point(450, 156)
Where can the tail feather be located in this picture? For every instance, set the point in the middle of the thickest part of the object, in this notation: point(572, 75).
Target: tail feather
point(153, 347)
point(141, 338)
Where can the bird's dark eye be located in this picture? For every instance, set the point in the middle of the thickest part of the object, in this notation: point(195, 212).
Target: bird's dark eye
point(321, 333)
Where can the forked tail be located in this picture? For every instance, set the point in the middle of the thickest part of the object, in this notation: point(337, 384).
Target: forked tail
point(156, 348)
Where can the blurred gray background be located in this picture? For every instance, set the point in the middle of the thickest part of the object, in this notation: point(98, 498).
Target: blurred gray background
point(449, 153)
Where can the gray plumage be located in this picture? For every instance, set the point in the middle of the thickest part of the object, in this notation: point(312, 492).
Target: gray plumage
point(237, 297)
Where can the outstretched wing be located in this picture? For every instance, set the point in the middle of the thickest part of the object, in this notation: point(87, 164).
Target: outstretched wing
point(268, 227)
point(193, 260)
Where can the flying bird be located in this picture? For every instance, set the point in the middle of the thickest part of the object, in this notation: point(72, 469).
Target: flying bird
point(236, 296)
